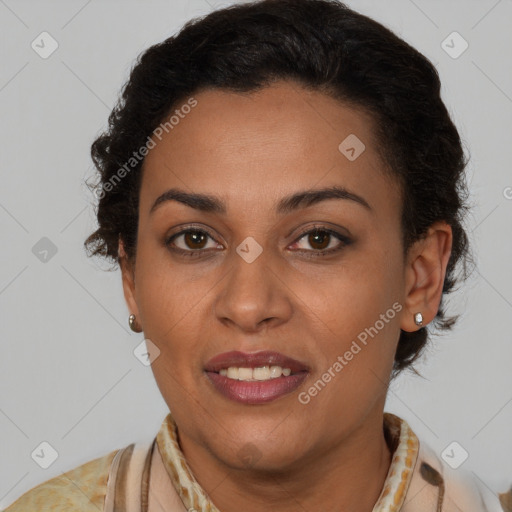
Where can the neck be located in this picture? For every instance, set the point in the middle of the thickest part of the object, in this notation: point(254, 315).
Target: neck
point(347, 476)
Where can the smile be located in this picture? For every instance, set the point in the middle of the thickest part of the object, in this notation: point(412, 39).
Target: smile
point(255, 378)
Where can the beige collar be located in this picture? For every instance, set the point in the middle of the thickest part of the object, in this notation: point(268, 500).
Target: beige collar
point(400, 437)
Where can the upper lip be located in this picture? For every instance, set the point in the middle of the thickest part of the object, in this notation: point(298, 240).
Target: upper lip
point(254, 360)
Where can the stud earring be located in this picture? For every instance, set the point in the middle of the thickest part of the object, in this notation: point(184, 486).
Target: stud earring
point(418, 319)
point(133, 325)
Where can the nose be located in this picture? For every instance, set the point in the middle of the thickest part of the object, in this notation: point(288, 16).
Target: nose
point(252, 296)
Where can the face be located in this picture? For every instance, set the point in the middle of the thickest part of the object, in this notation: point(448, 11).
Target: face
point(252, 275)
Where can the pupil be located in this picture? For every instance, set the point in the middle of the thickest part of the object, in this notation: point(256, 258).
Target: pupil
point(317, 235)
point(194, 237)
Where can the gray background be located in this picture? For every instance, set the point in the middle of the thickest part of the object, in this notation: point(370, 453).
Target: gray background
point(69, 376)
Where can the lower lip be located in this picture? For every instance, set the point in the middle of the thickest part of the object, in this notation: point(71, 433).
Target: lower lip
point(256, 392)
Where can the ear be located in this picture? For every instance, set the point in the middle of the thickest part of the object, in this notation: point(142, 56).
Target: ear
point(425, 272)
point(128, 277)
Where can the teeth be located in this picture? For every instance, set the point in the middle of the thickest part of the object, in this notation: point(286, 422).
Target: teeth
point(275, 371)
point(255, 374)
point(244, 373)
point(232, 373)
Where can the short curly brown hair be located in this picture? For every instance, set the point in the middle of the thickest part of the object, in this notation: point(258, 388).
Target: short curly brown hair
point(320, 44)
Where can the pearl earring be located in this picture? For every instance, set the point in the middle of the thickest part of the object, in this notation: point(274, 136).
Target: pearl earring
point(418, 319)
point(133, 325)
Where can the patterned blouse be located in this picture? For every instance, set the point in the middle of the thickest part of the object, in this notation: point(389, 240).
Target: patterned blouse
point(155, 477)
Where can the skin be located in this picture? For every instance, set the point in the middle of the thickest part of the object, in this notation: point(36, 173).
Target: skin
point(251, 150)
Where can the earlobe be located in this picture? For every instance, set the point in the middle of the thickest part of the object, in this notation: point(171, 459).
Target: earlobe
point(425, 274)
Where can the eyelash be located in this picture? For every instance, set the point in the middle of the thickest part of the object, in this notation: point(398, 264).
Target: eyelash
point(345, 241)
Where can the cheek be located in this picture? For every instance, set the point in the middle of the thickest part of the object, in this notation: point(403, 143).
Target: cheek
point(347, 298)
point(172, 311)
point(167, 304)
point(357, 356)
point(356, 316)
point(165, 292)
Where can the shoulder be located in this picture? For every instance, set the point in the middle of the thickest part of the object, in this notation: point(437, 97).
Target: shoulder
point(82, 488)
point(435, 483)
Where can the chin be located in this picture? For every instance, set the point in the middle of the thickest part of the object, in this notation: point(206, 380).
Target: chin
point(262, 460)
point(257, 451)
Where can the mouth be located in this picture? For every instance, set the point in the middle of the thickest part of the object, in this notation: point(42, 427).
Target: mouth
point(255, 378)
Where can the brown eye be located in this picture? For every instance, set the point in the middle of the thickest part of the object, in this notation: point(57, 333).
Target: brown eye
point(319, 239)
point(323, 241)
point(195, 239)
point(189, 242)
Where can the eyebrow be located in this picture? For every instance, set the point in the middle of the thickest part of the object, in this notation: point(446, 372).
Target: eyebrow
point(288, 204)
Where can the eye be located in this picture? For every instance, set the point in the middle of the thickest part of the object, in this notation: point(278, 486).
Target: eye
point(189, 241)
point(323, 241)
point(194, 241)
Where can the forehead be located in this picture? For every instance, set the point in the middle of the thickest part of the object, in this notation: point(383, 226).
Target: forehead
point(253, 148)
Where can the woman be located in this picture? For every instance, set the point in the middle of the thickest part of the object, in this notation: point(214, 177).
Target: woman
point(283, 190)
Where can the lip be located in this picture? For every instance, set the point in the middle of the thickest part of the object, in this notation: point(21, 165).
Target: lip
point(255, 392)
point(254, 360)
